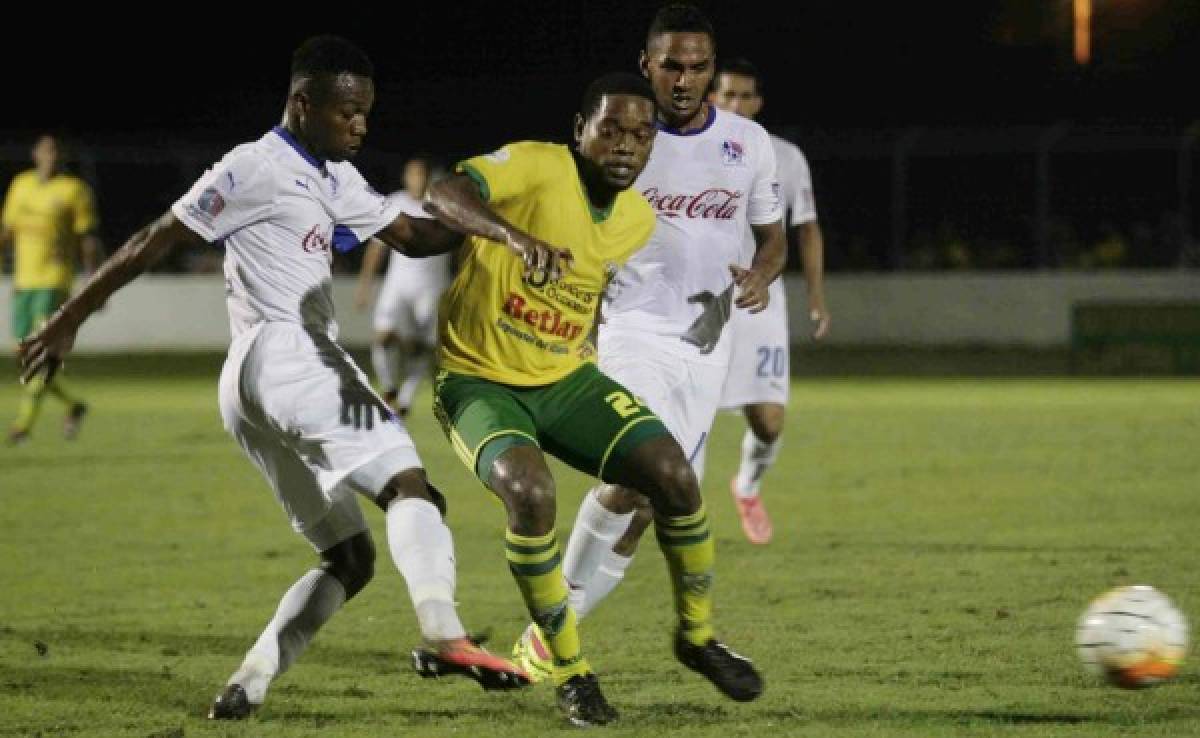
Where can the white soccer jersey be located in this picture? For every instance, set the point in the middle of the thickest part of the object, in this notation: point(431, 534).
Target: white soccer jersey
point(280, 214)
point(707, 187)
point(410, 277)
point(795, 182)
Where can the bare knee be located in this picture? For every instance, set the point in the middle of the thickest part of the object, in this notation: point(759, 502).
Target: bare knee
point(410, 484)
point(351, 562)
point(528, 493)
point(765, 421)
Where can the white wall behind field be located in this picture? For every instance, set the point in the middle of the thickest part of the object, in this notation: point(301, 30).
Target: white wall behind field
point(1003, 309)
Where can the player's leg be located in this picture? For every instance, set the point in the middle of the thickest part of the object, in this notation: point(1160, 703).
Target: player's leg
point(760, 449)
point(385, 362)
point(495, 435)
point(335, 528)
point(758, 384)
point(31, 308)
point(418, 355)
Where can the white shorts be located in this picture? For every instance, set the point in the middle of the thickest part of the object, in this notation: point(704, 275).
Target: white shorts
point(308, 419)
point(410, 315)
point(683, 393)
point(759, 372)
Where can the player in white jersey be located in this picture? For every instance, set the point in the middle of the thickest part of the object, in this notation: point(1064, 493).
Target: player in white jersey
point(293, 399)
point(405, 318)
point(710, 176)
point(759, 375)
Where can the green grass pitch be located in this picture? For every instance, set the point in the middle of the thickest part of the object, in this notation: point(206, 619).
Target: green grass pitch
point(935, 542)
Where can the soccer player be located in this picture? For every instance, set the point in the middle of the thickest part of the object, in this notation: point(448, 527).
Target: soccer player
point(50, 217)
point(291, 397)
point(759, 374)
point(406, 309)
point(514, 385)
point(711, 177)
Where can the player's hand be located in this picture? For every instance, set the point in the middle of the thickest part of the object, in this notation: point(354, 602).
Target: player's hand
point(43, 352)
point(543, 262)
point(819, 317)
point(752, 289)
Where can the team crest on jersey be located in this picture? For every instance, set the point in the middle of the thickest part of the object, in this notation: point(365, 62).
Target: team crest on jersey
point(211, 202)
point(733, 153)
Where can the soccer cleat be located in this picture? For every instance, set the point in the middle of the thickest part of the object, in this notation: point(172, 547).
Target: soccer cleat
point(583, 702)
point(16, 437)
point(731, 673)
point(756, 524)
point(74, 420)
point(464, 657)
point(530, 653)
point(232, 704)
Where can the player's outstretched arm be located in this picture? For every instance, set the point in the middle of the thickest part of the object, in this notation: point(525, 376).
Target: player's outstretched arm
point(419, 237)
point(455, 201)
point(44, 350)
point(766, 266)
point(812, 256)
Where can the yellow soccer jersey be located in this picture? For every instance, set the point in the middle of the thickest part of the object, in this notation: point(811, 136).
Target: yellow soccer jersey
point(47, 220)
point(494, 324)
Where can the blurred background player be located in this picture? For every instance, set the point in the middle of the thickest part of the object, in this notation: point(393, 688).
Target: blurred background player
point(405, 319)
point(50, 218)
point(759, 376)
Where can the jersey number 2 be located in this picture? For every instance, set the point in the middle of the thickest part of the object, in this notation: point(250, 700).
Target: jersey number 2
point(622, 403)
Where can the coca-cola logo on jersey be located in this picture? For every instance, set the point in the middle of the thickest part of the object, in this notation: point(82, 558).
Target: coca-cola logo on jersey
point(315, 240)
point(714, 203)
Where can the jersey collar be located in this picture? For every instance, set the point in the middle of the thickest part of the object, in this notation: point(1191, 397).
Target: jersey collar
point(287, 136)
point(712, 117)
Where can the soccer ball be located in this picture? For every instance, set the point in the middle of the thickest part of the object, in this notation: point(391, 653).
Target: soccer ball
point(1132, 636)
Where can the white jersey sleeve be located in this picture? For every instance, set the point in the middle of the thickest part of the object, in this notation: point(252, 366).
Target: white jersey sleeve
point(360, 211)
point(238, 191)
point(765, 205)
point(795, 179)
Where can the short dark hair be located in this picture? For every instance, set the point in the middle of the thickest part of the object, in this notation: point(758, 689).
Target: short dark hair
point(330, 55)
point(680, 18)
point(742, 67)
point(614, 83)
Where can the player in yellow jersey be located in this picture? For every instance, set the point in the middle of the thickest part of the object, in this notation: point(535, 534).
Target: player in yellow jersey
point(513, 383)
point(50, 218)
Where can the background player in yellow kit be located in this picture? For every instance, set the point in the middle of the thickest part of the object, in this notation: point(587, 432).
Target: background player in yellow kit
point(50, 219)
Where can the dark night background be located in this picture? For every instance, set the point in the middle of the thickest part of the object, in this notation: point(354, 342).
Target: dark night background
point(458, 78)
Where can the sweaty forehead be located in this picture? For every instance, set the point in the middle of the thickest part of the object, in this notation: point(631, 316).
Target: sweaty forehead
point(627, 109)
point(345, 87)
point(684, 47)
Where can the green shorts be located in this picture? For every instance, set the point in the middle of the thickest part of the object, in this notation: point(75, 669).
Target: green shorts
point(31, 308)
point(585, 419)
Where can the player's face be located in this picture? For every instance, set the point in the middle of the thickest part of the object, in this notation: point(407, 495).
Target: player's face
point(416, 177)
point(680, 69)
point(336, 115)
point(617, 138)
point(46, 154)
point(737, 93)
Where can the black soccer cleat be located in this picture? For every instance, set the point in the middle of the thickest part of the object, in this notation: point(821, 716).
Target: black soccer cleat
point(583, 703)
point(466, 658)
point(731, 673)
point(74, 420)
point(232, 704)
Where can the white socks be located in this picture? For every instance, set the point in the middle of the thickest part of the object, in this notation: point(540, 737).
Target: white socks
point(423, 550)
point(305, 607)
point(384, 360)
point(590, 566)
point(757, 458)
